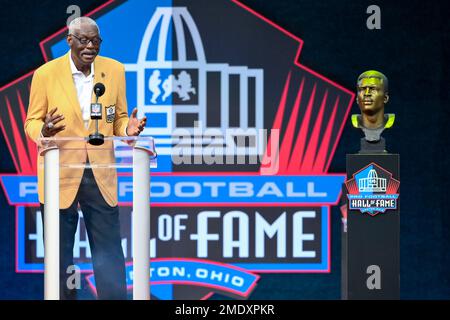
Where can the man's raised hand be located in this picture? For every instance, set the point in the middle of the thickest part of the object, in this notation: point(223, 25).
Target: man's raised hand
point(51, 120)
point(135, 125)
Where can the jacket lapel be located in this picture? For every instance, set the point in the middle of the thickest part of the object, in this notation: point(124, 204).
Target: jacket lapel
point(68, 86)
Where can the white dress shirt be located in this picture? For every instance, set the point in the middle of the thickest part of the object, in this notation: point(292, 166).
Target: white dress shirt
point(84, 85)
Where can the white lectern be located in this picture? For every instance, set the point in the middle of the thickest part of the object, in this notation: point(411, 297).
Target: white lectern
point(69, 153)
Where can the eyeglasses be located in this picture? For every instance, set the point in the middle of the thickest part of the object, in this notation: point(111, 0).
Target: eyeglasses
point(84, 41)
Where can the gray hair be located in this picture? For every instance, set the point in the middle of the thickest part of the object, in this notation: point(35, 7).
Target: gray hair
point(77, 22)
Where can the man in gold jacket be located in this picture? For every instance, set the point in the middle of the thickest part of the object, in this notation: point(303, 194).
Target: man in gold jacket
point(60, 98)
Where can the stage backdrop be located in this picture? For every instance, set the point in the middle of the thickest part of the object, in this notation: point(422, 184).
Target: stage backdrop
point(251, 140)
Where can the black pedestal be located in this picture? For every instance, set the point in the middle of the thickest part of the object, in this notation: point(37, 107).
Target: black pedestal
point(370, 243)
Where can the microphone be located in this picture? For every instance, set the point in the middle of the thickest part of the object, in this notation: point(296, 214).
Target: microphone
point(97, 138)
point(99, 89)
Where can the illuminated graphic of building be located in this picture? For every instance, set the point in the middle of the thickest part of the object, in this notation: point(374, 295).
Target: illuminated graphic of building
point(178, 89)
point(372, 183)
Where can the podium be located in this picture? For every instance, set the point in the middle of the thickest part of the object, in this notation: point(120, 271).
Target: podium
point(66, 156)
point(370, 235)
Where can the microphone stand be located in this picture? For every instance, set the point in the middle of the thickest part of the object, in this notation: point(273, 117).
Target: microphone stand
point(97, 138)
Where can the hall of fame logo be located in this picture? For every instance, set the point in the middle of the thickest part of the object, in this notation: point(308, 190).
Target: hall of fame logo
point(372, 190)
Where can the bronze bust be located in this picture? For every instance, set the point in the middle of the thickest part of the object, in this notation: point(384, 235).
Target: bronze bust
point(372, 96)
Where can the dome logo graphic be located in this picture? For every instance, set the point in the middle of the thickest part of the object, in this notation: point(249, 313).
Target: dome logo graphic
point(245, 135)
point(173, 86)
